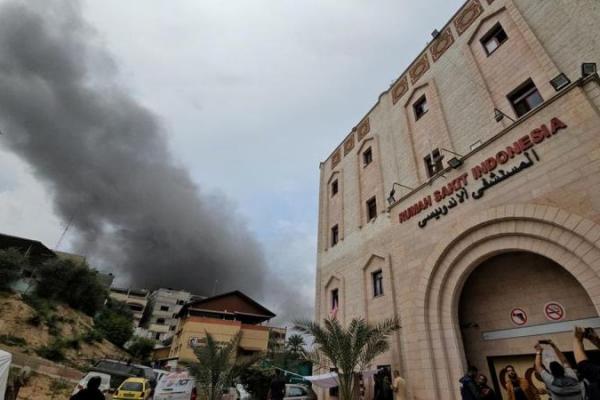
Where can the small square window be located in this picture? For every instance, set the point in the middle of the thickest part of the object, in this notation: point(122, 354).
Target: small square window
point(164, 308)
point(433, 162)
point(525, 98)
point(493, 39)
point(367, 157)
point(371, 208)
point(160, 320)
point(334, 188)
point(377, 283)
point(420, 107)
point(335, 235)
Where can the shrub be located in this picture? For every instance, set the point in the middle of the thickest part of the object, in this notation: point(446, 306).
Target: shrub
point(114, 323)
point(11, 262)
point(53, 351)
point(73, 343)
point(141, 348)
point(73, 283)
point(35, 320)
point(11, 340)
point(92, 336)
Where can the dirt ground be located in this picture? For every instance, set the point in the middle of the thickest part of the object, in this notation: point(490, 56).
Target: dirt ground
point(13, 321)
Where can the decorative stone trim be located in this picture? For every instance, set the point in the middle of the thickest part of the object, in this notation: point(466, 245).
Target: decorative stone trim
point(419, 68)
point(399, 89)
point(467, 16)
point(336, 158)
point(441, 44)
point(363, 129)
point(349, 144)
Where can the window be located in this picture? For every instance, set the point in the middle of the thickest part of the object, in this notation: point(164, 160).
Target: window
point(335, 235)
point(433, 162)
point(180, 302)
point(157, 336)
point(295, 391)
point(371, 208)
point(493, 39)
point(164, 308)
point(335, 298)
point(525, 98)
point(334, 188)
point(367, 157)
point(160, 320)
point(420, 107)
point(377, 283)
point(172, 327)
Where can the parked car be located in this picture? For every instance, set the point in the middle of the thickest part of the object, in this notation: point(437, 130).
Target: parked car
point(133, 388)
point(299, 392)
point(104, 382)
point(176, 386)
point(118, 371)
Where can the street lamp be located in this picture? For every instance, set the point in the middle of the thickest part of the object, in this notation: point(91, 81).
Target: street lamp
point(455, 161)
point(499, 115)
point(391, 199)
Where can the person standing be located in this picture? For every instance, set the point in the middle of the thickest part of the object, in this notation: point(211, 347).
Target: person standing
point(518, 388)
point(277, 389)
point(561, 382)
point(469, 390)
point(91, 392)
point(399, 386)
point(589, 371)
point(485, 391)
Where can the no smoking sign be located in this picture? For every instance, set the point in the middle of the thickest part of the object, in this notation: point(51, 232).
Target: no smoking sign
point(554, 311)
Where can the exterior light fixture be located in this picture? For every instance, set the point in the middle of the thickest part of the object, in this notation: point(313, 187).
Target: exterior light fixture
point(391, 199)
point(499, 115)
point(456, 161)
point(588, 69)
point(435, 33)
point(560, 81)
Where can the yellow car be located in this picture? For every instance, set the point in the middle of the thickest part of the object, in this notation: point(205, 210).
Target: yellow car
point(133, 388)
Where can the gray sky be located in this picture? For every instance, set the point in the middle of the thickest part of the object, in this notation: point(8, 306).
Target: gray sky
point(251, 95)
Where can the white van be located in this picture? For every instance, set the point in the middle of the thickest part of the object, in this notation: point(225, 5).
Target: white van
point(176, 386)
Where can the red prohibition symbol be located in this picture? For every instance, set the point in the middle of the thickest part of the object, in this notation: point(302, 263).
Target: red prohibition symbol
point(554, 311)
point(518, 316)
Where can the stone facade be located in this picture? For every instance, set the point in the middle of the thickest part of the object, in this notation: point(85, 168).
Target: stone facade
point(540, 197)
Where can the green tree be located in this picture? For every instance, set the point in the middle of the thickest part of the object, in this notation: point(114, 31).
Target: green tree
point(72, 283)
point(11, 262)
point(115, 322)
point(350, 350)
point(141, 348)
point(295, 344)
point(218, 364)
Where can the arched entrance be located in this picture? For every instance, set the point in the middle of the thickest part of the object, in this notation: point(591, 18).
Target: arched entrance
point(510, 301)
point(567, 239)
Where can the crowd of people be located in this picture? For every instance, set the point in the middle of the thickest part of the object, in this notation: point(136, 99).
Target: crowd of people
point(561, 380)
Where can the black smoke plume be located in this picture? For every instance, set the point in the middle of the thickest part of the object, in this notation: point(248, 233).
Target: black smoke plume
point(106, 162)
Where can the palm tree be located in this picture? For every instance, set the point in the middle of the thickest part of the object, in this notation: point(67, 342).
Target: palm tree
point(349, 350)
point(218, 365)
point(295, 344)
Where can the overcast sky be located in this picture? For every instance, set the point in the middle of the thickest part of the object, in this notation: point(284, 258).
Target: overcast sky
point(252, 96)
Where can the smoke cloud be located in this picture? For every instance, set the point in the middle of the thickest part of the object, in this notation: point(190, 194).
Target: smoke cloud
point(105, 159)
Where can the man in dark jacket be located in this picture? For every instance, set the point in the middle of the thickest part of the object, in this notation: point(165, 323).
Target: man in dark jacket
point(91, 392)
point(277, 390)
point(469, 390)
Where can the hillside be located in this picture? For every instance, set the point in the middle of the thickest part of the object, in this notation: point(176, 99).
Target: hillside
point(55, 332)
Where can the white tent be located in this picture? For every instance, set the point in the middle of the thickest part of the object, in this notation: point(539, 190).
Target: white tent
point(5, 359)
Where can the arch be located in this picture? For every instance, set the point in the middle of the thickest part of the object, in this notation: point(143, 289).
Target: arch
point(483, 21)
point(370, 259)
point(363, 144)
point(333, 175)
point(565, 238)
point(415, 90)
